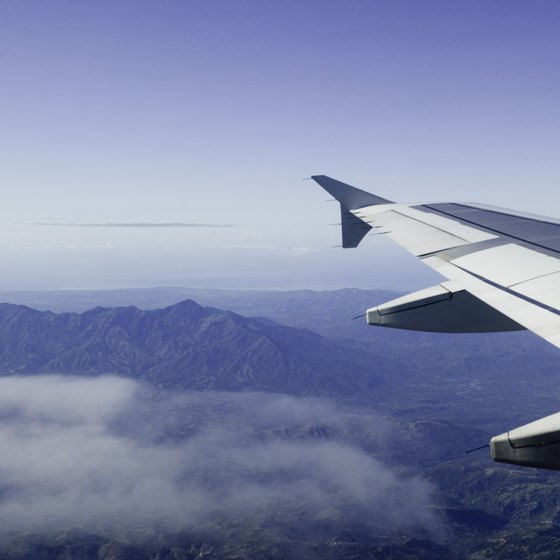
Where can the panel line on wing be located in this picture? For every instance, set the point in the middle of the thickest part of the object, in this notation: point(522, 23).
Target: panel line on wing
point(515, 293)
point(512, 214)
point(430, 225)
point(520, 221)
point(464, 250)
point(534, 278)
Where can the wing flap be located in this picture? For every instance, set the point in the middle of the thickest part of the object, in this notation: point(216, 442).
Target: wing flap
point(532, 314)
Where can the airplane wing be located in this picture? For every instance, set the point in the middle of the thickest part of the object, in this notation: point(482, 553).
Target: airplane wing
point(503, 271)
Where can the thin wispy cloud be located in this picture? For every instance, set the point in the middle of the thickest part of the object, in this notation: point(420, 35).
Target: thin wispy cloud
point(134, 225)
point(291, 251)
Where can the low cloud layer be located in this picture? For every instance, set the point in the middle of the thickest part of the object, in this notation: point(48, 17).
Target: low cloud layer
point(110, 452)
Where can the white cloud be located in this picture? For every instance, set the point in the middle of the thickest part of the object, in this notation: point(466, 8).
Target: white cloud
point(299, 251)
point(258, 236)
point(111, 452)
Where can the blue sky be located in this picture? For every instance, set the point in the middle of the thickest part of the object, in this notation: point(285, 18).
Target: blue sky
point(213, 111)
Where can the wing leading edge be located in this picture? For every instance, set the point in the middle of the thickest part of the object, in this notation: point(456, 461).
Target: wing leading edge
point(503, 270)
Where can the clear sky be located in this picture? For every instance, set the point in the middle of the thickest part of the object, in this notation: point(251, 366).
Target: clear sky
point(212, 111)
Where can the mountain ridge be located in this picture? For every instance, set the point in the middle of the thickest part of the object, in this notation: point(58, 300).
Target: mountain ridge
point(184, 345)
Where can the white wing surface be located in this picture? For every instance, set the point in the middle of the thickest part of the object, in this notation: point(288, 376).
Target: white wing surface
point(503, 270)
point(504, 259)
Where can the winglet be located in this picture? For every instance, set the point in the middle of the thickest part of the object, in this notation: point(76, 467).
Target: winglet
point(349, 197)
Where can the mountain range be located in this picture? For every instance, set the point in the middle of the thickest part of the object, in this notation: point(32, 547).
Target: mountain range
point(183, 346)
